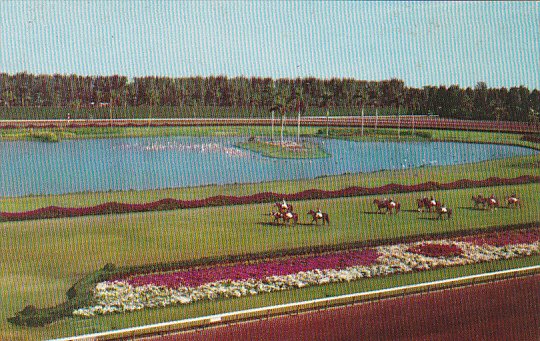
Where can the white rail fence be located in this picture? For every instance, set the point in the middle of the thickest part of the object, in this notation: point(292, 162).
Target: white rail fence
point(295, 308)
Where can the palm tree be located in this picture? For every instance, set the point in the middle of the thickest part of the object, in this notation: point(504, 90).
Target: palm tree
point(360, 98)
point(327, 99)
point(300, 108)
point(280, 106)
point(115, 95)
point(153, 98)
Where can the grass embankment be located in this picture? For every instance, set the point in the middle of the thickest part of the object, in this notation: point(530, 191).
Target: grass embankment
point(118, 132)
point(424, 135)
point(306, 150)
point(380, 134)
point(504, 168)
point(370, 134)
point(43, 260)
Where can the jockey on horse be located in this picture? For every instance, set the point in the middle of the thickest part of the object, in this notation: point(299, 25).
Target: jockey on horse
point(513, 200)
point(493, 203)
point(284, 207)
point(442, 209)
point(318, 214)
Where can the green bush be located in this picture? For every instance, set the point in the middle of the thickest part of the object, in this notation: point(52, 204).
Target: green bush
point(45, 136)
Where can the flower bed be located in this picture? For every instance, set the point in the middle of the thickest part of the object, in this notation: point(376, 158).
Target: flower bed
point(436, 250)
point(238, 272)
point(504, 238)
point(237, 280)
point(220, 200)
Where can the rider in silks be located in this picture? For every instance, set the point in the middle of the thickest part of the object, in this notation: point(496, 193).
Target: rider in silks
point(318, 214)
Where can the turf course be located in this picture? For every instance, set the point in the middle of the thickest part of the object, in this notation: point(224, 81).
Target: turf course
point(56, 253)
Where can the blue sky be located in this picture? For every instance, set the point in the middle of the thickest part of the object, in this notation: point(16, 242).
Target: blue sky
point(422, 43)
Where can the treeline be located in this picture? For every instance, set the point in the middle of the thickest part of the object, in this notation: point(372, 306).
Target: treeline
point(73, 91)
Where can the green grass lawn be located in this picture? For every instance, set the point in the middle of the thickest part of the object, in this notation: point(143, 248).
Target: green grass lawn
point(42, 259)
point(305, 150)
point(406, 135)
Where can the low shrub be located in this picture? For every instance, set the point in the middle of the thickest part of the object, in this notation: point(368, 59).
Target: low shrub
point(45, 136)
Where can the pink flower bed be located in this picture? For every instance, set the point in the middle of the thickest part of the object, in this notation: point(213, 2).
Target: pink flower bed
point(505, 238)
point(436, 250)
point(196, 277)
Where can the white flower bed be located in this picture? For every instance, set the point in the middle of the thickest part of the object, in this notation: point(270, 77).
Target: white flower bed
point(120, 296)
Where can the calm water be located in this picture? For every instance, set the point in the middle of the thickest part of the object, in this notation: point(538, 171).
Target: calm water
point(28, 167)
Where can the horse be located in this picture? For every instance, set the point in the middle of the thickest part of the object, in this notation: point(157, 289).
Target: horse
point(479, 200)
point(316, 217)
point(381, 204)
point(492, 202)
point(393, 205)
point(441, 210)
point(433, 203)
point(422, 204)
point(282, 209)
point(277, 216)
point(512, 201)
point(287, 217)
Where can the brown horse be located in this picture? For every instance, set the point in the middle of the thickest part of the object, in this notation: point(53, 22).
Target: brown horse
point(316, 217)
point(423, 204)
point(441, 210)
point(513, 201)
point(393, 205)
point(492, 202)
point(479, 200)
point(277, 216)
point(290, 217)
point(433, 203)
point(381, 204)
point(388, 204)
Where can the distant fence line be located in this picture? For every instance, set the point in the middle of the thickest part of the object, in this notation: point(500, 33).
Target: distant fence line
point(306, 306)
point(405, 121)
point(265, 197)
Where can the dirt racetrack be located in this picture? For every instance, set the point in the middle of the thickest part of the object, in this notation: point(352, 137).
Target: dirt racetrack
point(507, 310)
point(408, 121)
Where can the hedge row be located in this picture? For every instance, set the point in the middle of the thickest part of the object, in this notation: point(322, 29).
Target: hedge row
point(531, 138)
point(265, 197)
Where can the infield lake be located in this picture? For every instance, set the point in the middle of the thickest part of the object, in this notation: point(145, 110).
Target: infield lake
point(31, 167)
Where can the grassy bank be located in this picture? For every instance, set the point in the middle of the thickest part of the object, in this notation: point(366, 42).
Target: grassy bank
point(42, 260)
point(408, 135)
point(305, 150)
point(118, 132)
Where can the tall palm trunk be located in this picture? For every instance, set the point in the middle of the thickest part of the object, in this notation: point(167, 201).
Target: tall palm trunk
point(272, 138)
point(283, 117)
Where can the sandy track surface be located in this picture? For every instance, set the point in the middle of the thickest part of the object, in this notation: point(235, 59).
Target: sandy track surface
point(350, 121)
point(507, 310)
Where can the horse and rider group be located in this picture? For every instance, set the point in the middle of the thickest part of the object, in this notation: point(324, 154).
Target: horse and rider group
point(388, 205)
point(285, 212)
point(492, 203)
